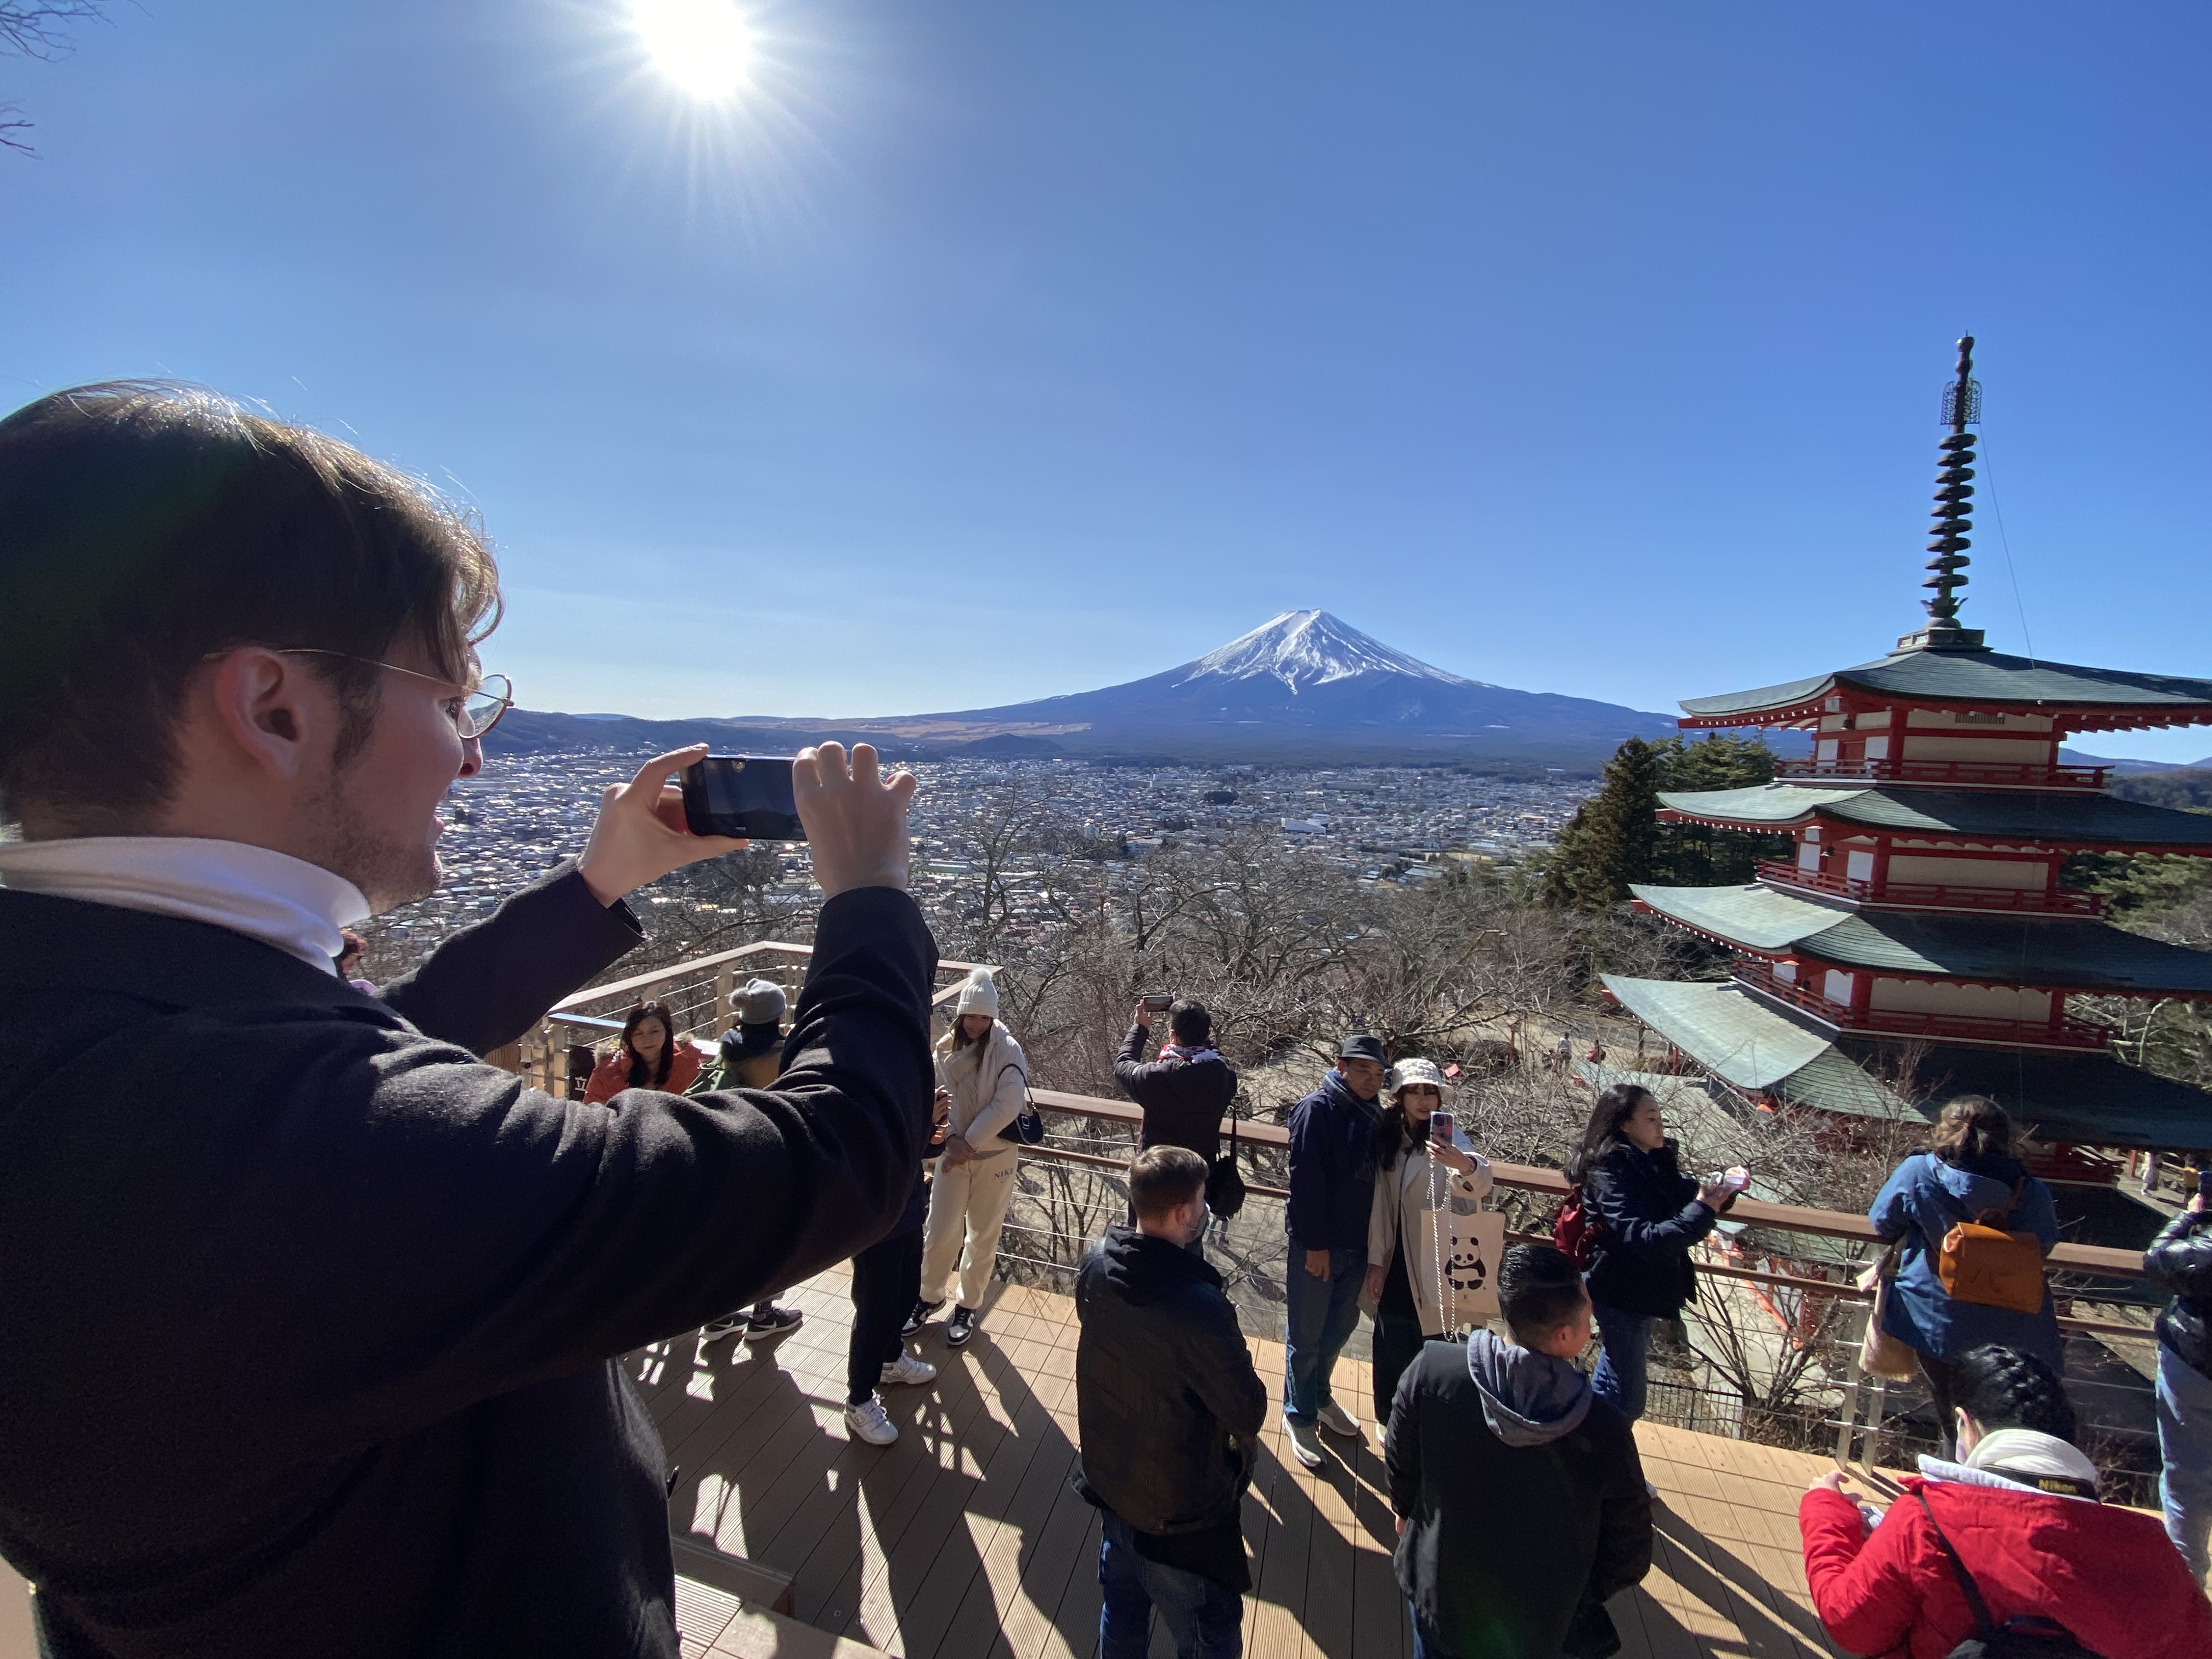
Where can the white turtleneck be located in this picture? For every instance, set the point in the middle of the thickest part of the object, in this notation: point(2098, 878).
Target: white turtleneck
point(272, 897)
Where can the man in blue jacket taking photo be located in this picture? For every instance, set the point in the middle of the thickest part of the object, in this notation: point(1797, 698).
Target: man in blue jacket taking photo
point(1332, 1189)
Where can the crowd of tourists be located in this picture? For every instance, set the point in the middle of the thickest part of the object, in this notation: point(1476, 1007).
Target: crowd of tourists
point(242, 675)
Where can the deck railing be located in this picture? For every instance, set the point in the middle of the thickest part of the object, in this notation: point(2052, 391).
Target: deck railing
point(1075, 1186)
point(1957, 774)
point(1921, 896)
point(2069, 1035)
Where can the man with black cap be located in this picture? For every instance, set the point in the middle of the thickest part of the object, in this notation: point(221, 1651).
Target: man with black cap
point(1332, 1190)
point(750, 1056)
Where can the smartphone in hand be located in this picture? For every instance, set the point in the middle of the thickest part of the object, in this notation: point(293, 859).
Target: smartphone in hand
point(748, 795)
point(1443, 1128)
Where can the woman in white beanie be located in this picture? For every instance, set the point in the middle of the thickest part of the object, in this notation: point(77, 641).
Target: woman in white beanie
point(983, 1079)
point(1415, 1178)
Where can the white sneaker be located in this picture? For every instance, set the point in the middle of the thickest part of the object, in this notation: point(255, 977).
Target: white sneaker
point(907, 1370)
point(1337, 1420)
point(870, 1422)
point(1305, 1444)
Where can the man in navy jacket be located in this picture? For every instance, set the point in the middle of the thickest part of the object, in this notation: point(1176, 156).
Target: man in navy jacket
point(309, 1318)
point(1332, 1189)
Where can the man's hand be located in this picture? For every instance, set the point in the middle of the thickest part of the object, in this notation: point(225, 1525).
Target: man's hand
point(1140, 1018)
point(639, 835)
point(855, 820)
point(957, 1151)
point(1317, 1263)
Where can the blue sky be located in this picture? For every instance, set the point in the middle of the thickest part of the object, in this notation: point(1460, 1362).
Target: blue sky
point(984, 350)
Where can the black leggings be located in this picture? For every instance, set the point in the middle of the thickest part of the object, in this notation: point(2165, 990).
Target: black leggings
point(1398, 1343)
point(886, 1284)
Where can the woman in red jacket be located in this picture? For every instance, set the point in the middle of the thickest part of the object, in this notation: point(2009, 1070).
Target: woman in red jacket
point(2020, 1509)
point(650, 1057)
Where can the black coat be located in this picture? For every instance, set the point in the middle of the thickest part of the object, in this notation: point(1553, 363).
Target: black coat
point(310, 1316)
point(1184, 1100)
point(1511, 1551)
point(1169, 1405)
point(1651, 1217)
point(2181, 1259)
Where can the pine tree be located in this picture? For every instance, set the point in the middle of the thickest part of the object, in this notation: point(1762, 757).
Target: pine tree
point(1697, 854)
point(1613, 837)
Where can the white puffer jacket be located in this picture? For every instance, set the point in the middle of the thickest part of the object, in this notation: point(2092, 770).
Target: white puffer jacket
point(1409, 1196)
point(987, 1081)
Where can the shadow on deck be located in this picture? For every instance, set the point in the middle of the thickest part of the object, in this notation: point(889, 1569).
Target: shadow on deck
point(964, 1539)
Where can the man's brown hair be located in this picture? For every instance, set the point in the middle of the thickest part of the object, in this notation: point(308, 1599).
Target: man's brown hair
point(143, 526)
point(1163, 1179)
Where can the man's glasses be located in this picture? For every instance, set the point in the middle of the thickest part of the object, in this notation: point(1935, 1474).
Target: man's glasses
point(473, 714)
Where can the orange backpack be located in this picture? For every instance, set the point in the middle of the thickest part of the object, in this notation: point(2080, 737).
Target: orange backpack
point(1983, 1263)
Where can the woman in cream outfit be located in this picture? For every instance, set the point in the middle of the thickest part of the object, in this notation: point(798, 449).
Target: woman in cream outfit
point(983, 1079)
point(1414, 1180)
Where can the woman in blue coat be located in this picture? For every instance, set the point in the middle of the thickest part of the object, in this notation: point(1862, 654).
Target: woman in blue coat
point(1645, 1215)
point(1970, 1170)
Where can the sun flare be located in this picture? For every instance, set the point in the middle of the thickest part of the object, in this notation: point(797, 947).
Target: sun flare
point(702, 45)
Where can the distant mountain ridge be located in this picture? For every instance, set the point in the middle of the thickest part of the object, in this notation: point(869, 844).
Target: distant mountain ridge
point(1304, 686)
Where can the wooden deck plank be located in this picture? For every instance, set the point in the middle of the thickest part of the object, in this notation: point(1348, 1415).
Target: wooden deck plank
point(965, 1538)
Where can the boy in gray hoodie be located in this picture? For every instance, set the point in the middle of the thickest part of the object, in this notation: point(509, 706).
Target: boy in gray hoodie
point(1520, 1499)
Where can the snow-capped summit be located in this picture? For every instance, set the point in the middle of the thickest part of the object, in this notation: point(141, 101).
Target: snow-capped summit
point(1303, 649)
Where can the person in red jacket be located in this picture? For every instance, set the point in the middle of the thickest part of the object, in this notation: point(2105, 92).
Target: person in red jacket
point(651, 1056)
point(2020, 1509)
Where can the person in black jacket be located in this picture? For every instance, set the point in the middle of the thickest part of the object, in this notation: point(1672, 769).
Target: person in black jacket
point(1520, 1495)
point(1646, 1214)
point(1185, 1091)
point(1332, 1134)
point(1169, 1410)
point(247, 683)
point(2180, 1258)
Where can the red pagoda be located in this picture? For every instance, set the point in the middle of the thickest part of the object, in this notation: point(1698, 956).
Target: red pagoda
point(1921, 934)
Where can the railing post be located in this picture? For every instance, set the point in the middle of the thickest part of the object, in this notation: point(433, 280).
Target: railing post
point(726, 984)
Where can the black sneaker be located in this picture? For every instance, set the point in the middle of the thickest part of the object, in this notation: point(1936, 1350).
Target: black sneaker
point(918, 1317)
point(729, 1324)
point(768, 1322)
point(960, 1327)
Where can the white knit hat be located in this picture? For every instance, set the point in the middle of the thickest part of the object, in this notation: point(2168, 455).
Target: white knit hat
point(759, 1002)
point(1415, 1070)
point(978, 995)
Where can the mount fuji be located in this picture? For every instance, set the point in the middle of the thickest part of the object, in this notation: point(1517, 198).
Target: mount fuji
point(1302, 687)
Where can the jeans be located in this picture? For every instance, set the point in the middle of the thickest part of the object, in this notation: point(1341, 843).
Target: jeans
point(1205, 1621)
point(2184, 1439)
point(1619, 1379)
point(1426, 1645)
point(886, 1280)
point(1322, 1315)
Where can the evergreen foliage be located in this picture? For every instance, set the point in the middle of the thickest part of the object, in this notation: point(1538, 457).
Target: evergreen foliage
point(1616, 838)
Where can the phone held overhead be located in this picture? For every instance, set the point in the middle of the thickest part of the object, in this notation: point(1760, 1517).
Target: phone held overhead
point(748, 795)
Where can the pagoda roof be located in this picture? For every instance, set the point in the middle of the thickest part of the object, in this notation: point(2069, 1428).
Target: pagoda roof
point(2041, 816)
point(2101, 699)
point(1743, 1040)
point(2061, 952)
point(2091, 1100)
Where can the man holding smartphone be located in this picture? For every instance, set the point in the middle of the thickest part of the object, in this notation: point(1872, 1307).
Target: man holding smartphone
point(311, 1316)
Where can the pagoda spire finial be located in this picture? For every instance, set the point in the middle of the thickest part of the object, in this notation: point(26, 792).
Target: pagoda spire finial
point(1962, 407)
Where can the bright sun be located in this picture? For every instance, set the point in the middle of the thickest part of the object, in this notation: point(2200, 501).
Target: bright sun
point(702, 45)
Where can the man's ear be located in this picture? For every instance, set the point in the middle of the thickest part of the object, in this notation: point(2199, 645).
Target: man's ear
point(269, 710)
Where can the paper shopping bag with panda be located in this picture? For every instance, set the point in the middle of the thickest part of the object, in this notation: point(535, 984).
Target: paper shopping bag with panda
point(1471, 1246)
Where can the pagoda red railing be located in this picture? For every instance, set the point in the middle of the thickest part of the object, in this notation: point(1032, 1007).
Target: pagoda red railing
point(1988, 774)
point(2070, 1034)
point(1923, 897)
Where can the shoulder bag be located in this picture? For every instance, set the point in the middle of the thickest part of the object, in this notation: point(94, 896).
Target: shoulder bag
point(1881, 1354)
point(1224, 1182)
point(1982, 1263)
point(1028, 1127)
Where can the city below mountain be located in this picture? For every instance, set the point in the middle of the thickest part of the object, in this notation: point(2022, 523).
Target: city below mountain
point(1304, 688)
